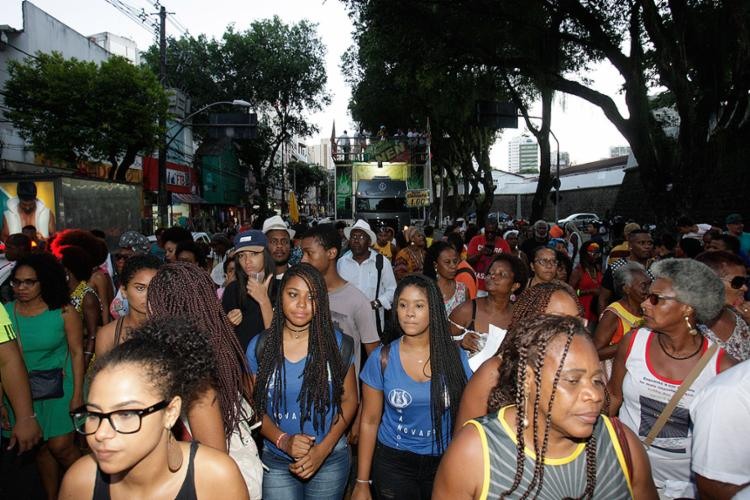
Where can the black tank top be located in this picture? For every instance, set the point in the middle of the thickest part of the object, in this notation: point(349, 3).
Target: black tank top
point(187, 490)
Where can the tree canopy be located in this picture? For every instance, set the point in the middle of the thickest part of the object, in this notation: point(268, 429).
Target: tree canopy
point(71, 110)
point(279, 68)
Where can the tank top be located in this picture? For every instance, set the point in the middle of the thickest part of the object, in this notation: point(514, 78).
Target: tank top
point(458, 298)
point(187, 490)
point(626, 321)
point(563, 477)
point(645, 394)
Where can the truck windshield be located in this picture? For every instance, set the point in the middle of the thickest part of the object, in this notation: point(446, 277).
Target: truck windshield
point(381, 205)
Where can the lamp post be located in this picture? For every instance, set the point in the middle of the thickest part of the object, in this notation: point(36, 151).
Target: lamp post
point(162, 195)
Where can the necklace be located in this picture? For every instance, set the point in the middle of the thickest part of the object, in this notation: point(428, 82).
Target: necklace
point(664, 350)
point(296, 333)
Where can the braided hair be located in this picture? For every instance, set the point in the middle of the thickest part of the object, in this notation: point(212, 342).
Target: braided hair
point(448, 379)
point(324, 372)
point(534, 300)
point(528, 349)
point(183, 289)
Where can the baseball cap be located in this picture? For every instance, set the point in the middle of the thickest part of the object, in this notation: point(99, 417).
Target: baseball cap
point(733, 219)
point(135, 241)
point(251, 238)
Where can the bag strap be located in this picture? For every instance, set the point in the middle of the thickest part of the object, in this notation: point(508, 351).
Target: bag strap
point(624, 445)
point(385, 351)
point(347, 350)
point(118, 329)
point(467, 270)
point(379, 267)
point(677, 396)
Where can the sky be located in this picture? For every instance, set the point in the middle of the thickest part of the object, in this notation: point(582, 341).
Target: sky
point(581, 128)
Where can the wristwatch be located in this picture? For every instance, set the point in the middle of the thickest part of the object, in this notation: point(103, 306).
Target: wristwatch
point(375, 304)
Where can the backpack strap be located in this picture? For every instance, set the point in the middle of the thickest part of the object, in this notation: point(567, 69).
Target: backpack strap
point(385, 351)
point(379, 267)
point(467, 270)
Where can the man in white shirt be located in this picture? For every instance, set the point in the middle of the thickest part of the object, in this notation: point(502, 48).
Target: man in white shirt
point(359, 266)
point(721, 443)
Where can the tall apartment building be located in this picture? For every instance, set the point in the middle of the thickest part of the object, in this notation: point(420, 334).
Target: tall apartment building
point(523, 153)
point(320, 154)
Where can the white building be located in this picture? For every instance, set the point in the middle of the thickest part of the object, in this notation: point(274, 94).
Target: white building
point(564, 159)
point(615, 151)
point(118, 45)
point(320, 154)
point(40, 33)
point(523, 153)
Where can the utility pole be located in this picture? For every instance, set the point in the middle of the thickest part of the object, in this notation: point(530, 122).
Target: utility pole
point(163, 195)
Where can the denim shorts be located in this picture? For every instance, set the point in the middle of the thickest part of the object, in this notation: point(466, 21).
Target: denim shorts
point(328, 483)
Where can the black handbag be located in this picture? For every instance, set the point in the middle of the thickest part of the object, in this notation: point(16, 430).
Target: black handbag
point(44, 384)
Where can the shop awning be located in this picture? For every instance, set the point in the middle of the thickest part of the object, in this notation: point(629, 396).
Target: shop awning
point(190, 199)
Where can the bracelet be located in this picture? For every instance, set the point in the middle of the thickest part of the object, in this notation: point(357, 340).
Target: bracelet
point(88, 352)
point(33, 415)
point(278, 439)
point(364, 481)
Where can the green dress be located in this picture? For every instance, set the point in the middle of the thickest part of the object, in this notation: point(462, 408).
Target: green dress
point(45, 347)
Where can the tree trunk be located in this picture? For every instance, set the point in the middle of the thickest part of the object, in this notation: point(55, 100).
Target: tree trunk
point(544, 185)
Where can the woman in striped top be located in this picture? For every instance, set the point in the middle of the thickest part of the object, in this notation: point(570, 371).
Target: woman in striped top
point(549, 439)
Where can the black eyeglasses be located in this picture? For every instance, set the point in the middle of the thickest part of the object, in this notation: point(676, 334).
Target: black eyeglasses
point(121, 256)
point(14, 283)
point(655, 298)
point(738, 282)
point(87, 422)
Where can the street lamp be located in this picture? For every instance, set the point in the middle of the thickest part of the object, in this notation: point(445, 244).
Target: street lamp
point(162, 195)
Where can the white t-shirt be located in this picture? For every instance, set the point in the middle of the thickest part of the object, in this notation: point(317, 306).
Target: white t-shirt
point(720, 415)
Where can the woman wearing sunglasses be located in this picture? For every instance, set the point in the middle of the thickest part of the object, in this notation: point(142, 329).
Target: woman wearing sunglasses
point(653, 361)
point(137, 393)
point(730, 329)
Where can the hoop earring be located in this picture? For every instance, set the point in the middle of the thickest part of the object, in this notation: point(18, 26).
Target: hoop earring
point(691, 328)
point(174, 454)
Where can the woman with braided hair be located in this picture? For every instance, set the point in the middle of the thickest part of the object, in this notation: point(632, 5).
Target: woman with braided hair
point(554, 297)
point(548, 440)
point(221, 416)
point(306, 392)
point(410, 393)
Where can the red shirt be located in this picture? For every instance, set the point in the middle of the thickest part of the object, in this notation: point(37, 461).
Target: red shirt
point(482, 265)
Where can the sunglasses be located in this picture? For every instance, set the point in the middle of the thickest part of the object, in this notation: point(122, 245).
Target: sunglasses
point(738, 282)
point(655, 298)
point(121, 256)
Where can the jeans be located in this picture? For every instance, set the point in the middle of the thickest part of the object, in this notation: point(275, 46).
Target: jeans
point(328, 483)
point(401, 474)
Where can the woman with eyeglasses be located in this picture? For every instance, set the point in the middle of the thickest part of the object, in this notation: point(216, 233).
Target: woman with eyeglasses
point(730, 329)
point(50, 334)
point(137, 393)
point(470, 322)
point(652, 362)
point(543, 266)
point(586, 279)
point(632, 282)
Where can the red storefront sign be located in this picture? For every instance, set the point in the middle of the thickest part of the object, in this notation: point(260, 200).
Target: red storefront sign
point(180, 178)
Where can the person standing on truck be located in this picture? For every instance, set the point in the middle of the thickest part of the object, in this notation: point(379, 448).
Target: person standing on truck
point(346, 146)
point(25, 209)
point(482, 250)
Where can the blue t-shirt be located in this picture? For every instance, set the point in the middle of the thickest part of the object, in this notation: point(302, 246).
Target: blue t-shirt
point(288, 417)
point(407, 416)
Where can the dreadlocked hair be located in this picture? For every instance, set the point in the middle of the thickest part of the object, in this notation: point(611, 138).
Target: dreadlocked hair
point(530, 340)
point(534, 300)
point(324, 372)
point(448, 379)
point(183, 289)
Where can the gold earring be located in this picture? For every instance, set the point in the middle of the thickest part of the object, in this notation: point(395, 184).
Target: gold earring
point(691, 328)
point(174, 453)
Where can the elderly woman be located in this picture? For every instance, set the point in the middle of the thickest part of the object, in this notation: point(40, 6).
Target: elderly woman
point(652, 362)
point(411, 258)
point(511, 236)
point(730, 329)
point(632, 282)
point(543, 266)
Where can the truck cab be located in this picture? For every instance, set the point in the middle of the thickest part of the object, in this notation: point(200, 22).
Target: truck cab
point(382, 200)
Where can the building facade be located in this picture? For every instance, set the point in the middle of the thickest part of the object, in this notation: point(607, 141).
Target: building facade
point(523, 154)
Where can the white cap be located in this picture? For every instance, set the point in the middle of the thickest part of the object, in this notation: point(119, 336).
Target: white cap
point(276, 223)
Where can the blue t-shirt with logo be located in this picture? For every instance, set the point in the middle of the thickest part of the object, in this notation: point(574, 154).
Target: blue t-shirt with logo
point(407, 416)
point(288, 417)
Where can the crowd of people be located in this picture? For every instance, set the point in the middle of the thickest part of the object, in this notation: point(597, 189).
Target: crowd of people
point(351, 361)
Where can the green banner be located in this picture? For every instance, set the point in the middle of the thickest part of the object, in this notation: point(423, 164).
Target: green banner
point(344, 192)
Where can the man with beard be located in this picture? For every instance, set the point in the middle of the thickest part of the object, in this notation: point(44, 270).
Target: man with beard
point(26, 210)
point(280, 246)
point(368, 270)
